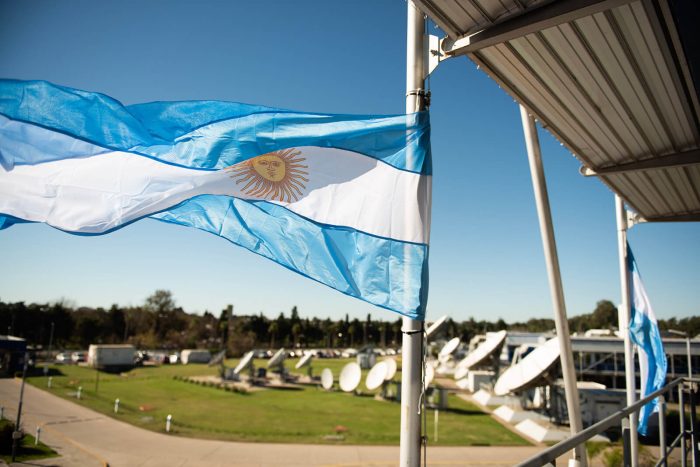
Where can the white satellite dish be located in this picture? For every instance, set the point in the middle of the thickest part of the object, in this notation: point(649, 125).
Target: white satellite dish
point(435, 326)
point(303, 361)
point(376, 376)
point(529, 370)
point(477, 356)
point(277, 358)
point(350, 377)
point(327, 378)
point(429, 374)
point(391, 369)
point(245, 362)
point(218, 358)
point(450, 347)
point(461, 372)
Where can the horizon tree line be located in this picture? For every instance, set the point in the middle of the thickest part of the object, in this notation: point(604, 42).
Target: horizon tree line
point(160, 324)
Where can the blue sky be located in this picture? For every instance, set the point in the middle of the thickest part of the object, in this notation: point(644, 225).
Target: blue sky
point(340, 57)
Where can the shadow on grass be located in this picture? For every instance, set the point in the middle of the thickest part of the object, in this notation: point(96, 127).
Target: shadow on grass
point(39, 371)
point(462, 411)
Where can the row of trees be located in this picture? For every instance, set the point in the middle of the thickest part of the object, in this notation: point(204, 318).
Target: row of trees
point(160, 324)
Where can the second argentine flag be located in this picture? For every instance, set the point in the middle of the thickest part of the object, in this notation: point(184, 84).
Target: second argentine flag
point(343, 200)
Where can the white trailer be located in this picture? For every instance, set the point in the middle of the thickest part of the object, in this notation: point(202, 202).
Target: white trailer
point(111, 357)
point(195, 356)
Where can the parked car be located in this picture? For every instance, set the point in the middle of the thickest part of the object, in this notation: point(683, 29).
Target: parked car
point(63, 357)
point(78, 357)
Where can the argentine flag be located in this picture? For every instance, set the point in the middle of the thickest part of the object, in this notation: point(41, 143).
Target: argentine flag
point(644, 332)
point(343, 200)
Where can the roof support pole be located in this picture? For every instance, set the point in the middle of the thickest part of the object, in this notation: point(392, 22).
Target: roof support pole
point(411, 355)
point(624, 321)
point(544, 213)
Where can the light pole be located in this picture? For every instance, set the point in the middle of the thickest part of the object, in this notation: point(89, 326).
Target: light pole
point(46, 365)
point(687, 348)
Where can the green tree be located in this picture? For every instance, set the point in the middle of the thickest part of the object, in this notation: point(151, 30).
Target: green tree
point(273, 330)
point(161, 305)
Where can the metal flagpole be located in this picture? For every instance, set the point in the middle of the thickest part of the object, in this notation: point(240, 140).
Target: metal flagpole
point(411, 355)
point(624, 320)
point(555, 285)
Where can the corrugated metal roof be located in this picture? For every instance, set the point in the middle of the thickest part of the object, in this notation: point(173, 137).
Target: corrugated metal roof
point(609, 78)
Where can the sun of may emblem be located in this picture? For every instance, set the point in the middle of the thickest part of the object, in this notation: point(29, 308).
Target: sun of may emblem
point(277, 175)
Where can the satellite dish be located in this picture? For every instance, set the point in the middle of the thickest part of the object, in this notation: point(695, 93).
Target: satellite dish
point(529, 370)
point(429, 374)
point(477, 356)
point(277, 358)
point(245, 362)
point(450, 347)
point(327, 378)
point(376, 376)
point(435, 326)
point(218, 358)
point(304, 361)
point(350, 377)
point(391, 369)
point(461, 372)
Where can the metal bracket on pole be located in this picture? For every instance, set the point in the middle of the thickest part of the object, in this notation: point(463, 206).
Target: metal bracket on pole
point(435, 54)
point(633, 219)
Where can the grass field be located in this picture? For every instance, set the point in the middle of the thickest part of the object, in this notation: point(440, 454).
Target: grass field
point(310, 415)
point(27, 449)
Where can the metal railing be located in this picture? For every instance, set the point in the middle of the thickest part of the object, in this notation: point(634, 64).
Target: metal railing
point(621, 419)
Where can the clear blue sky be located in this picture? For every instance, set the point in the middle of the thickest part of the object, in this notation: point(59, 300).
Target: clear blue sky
point(340, 57)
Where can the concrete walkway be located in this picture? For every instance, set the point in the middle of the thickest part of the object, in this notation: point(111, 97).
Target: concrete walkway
point(86, 438)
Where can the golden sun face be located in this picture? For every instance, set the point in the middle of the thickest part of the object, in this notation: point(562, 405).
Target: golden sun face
point(277, 175)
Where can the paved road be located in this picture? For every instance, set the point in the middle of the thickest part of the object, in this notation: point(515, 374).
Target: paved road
point(86, 438)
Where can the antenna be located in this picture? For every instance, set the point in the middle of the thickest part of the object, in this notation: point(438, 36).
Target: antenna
point(391, 368)
point(531, 369)
point(350, 377)
point(448, 348)
point(277, 361)
point(435, 326)
point(246, 362)
point(218, 359)
point(481, 355)
point(376, 376)
point(305, 361)
point(327, 379)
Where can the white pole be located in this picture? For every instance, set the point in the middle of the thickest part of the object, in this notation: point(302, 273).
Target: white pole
point(437, 415)
point(80, 390)
point(49, 382)
point(116, 405)
point(690, 361)
point(168, 421)
point(556, 288)
point(38, 435)
point(624, 319)
point(411, 366)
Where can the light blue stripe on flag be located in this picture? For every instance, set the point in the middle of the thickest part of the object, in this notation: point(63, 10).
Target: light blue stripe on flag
point(354, 263)
point(185, 163)
point(206, 134)
point(644, 332)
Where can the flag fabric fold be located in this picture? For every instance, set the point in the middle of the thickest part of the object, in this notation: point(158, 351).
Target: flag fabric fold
point(644, 332)
point(341, 199)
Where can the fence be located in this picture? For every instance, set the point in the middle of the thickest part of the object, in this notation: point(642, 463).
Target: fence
point(687, 394)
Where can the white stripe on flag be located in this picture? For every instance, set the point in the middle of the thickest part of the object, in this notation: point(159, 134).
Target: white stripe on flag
point(336, 187)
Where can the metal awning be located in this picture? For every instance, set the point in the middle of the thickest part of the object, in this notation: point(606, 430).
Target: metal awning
point(611, 79)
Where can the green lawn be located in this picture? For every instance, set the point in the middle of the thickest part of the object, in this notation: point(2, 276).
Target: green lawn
point(27, 450)
point(304, 416)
